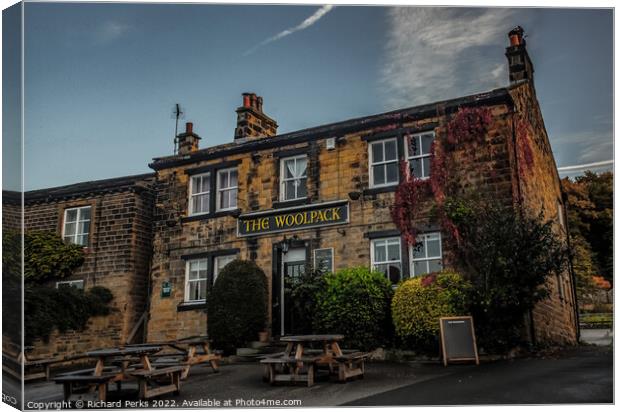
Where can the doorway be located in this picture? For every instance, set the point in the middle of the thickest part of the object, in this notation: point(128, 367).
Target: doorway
point(288, 263)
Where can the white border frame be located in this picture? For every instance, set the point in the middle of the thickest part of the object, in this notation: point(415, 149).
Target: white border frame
point(429, 155)
point(64, 222)
point(333, 257)
point(190, 211)
point(218, 190)
point(186, 287)
point(282, 181)
point(426, 258)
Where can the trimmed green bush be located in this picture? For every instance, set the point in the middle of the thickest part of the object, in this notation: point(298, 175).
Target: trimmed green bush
point(237, 305)
point(356, 303)
point(303, 291)
point(419, 303)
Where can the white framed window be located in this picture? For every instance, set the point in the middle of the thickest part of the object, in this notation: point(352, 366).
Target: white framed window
point(219, 262)
point(324, 259)
point(293, 178)
point(227, 189)
point(426, 255)
point(419, 154)
point(383, 167)
point(385, 257)
point(196, 280)
point(78, 284)
point(199, 194)
point(76, 226)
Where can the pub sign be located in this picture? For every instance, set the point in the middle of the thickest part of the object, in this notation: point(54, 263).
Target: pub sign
point(295, 218)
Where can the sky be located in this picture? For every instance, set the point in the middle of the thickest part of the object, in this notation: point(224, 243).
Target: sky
point(101, 80)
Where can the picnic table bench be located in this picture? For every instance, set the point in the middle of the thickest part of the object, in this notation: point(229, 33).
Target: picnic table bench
point(299, 363)
point(149, 381)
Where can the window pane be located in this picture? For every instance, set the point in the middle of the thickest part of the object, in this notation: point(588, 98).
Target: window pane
point(383, 268)
point(392, 172)
point(224, 200)
point(416, 167)
point(427, 141)
point(71, 215)
point(232, 198)
point(83, 227)
point(82, 240)
point(223, 180)
point(289, 190)
point(302, 190)
point(85, 213)
point(394, 251)
point(414, 146)
point(378, 174)
point(433, 247)
point(380, 251)
point(233, 178)
point(302, 164)
point(418, 251)
point(419, 268)
point(377, 152)
point(70, 229)
point(435, 265)
point(196, 186)
point(390, 150)
point(289, 168)
point(426, 166)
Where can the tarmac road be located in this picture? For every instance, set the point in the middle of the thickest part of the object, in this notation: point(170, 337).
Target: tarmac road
point(580, 375)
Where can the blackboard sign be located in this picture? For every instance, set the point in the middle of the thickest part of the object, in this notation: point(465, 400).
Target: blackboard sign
point(458, 340)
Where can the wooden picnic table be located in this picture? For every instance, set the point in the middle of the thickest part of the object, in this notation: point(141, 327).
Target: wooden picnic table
point(117, 365)
point(194, 350)
point(299, 360)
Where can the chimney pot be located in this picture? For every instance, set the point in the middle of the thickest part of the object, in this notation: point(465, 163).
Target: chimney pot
point(516, 36)
point(246, 99)
point(189, 127)
point(259, 104)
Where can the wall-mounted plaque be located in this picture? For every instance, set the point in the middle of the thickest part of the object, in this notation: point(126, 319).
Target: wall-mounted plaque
point(458, 340)
point(166, 289)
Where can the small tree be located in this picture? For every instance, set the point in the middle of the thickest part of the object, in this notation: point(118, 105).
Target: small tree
point(508, 257)
point(237, 305)
point(356, 303)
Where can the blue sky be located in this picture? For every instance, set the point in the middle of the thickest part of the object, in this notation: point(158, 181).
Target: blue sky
point(101, 79)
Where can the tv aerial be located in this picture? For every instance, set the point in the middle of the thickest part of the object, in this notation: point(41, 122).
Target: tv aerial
point(177, 113)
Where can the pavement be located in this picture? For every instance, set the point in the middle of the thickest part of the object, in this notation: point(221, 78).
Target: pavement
point(576, 375)
point(599, 337)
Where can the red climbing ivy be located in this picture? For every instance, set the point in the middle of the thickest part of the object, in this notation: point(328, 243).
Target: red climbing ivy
point(469, 123)
point(524, 148)
point(405, 209)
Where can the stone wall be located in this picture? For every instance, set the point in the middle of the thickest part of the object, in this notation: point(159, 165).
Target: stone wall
point(539, 186)
point(117, 257)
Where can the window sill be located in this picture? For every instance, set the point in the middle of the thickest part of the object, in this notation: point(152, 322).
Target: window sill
point(204, 216)
point(382, 189)
point(290, 203)
point(185, 306)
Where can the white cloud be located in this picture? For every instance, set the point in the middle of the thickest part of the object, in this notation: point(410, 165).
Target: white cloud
point(110, 31)
point(302, 26)
point(441, 53)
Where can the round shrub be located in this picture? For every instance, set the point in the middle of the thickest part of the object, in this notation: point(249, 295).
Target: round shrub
point(419, 303)
point(356, 303)
point(237, 305)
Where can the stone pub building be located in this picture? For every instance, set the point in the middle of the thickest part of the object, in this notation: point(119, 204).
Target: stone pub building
point(319, 196)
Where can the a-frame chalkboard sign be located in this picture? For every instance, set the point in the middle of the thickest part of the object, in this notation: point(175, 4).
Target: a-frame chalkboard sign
point(458, 340)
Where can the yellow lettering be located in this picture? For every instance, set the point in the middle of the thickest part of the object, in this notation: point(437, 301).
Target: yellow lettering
point(247, 225)
point(335, 214)
point(299, 219)
point(322, 215)
point(279, 221)
point(289, 220)
point(264, 224)
point(313, 216)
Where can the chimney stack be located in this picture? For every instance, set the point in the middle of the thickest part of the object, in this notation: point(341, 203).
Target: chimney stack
point(251, 121)
point(520, 66)
point(187, 141)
